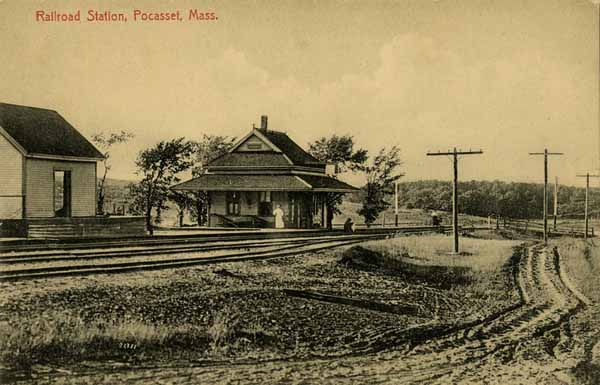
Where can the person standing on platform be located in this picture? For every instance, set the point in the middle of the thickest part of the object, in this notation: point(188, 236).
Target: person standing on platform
point(278, 213)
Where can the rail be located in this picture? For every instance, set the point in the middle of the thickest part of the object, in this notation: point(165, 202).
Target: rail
point(23, 265)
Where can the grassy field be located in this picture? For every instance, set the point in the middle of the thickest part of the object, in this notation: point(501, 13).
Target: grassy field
point(479, 255)
point(245, 310)
point(581, 261)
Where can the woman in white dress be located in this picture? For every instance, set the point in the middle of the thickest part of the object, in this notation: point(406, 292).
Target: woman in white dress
point(278, 213)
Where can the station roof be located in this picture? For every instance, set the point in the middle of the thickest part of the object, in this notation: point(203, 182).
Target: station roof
point(290, 148)
point(250, 159)
point(39, 131)
point(280, 143)
point(245, 182)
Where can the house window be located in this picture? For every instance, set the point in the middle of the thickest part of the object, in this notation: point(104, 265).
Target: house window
point(232, 199)
point(265, 205)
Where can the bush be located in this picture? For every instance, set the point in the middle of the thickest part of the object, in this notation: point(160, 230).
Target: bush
point(222, 332)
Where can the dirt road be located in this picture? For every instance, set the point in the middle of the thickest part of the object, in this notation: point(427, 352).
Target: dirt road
point(530, 343)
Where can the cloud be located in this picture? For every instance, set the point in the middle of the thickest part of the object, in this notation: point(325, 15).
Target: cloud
point(421, 94)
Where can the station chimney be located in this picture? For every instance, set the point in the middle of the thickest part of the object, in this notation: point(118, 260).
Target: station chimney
point(264, 123)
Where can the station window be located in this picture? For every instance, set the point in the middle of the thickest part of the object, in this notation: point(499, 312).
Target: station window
point(265, 205)
point(233, 203)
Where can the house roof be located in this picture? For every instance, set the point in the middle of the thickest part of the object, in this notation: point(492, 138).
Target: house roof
point(296, 154)
point(244, 182)
point(39, 131)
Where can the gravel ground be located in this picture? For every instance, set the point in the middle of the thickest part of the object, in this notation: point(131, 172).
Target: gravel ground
point(252, 293)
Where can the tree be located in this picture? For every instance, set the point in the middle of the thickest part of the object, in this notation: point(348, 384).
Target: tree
point(159, 167)
point(340, 151)
point(105, 142)
point(381, 176)
point(136, 196)
point(211, 147)
point(184, 202)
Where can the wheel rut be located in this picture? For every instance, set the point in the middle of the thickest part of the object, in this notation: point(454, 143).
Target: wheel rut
point(548, 301)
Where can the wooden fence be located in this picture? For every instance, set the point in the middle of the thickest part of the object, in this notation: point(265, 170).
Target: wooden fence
point(536, 226)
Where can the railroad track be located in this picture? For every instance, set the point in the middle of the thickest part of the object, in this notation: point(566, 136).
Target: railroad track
point(90, 254)
point(112, 248)
point(27, 265)
point(110, 257)
point(56, 246)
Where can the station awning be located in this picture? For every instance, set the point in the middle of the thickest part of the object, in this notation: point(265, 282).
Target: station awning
point(240, 182)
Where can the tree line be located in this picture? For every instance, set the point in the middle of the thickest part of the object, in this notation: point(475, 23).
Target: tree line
point(496, 198)
point(160, 166)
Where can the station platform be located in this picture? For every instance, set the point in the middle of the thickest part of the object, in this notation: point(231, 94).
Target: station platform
point(166, 231)
point(7, 243)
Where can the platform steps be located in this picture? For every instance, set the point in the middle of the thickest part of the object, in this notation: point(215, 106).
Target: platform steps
point(90, 227)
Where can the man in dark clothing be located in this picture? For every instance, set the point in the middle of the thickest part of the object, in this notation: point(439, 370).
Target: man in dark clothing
point(349, 226)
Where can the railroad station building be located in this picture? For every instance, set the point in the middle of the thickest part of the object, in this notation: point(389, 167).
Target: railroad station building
point(48, 178)
point(264, 170)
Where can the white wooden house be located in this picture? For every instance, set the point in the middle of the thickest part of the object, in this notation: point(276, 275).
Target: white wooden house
point(263, 170)
point(47, 175)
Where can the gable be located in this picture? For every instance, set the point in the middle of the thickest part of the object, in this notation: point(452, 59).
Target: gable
point(253, 144)
point(259, 140)
point(11, 169)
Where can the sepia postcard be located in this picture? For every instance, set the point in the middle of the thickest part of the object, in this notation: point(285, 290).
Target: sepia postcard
point(300, 192)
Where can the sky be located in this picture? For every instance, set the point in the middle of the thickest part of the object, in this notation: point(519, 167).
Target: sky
point(508, 77)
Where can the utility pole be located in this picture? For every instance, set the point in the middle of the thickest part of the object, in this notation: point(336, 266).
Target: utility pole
point(545, 153)
point(396, 200)
point(455, 153)
point(555, 201)
point(587, 199)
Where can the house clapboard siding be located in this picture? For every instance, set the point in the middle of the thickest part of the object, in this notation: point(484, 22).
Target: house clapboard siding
point(11, 188)
point(40, 187)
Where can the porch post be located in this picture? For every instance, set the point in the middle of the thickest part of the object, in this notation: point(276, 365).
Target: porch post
point(322, 198)
point(207, 209)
